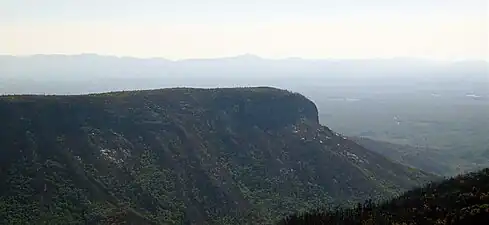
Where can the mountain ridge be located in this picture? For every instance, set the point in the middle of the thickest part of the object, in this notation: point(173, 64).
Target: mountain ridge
point(247, 55)
point(181, 155)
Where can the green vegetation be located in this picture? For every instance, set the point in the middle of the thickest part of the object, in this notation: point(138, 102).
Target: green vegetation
point(459, 200)
point(180, 156)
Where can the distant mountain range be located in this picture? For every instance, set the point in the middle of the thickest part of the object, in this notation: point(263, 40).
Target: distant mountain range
point(89, 73)
point(91, 65)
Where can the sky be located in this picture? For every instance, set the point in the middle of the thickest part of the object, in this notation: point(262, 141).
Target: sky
point(180, 29)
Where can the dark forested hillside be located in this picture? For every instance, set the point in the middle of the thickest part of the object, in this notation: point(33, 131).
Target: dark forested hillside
point(457, 201)
point(180, 156)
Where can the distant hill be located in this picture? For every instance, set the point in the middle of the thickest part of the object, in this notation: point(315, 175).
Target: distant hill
point(180, 156)
point(456, 201)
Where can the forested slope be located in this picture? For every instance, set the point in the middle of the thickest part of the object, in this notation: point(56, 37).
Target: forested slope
point(180, 156)
point(457, 201)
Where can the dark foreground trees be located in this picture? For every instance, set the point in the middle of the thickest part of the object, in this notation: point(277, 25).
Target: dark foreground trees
point(460, 200)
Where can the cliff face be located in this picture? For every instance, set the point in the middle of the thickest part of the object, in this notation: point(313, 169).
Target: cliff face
point(172, 156)
point(266, 108)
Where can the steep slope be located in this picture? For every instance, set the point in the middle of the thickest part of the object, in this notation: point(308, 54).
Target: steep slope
point(173, 156)
point(456, 201)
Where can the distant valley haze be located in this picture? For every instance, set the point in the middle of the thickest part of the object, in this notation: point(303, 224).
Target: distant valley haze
point(88, 73)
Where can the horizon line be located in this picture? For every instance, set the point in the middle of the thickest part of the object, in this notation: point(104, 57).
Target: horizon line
point(251, 55)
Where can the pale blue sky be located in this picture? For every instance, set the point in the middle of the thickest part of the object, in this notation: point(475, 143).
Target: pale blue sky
point(197, 28)
point(233, 10)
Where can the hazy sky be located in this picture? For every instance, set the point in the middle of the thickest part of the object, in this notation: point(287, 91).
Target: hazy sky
point(440, 29)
